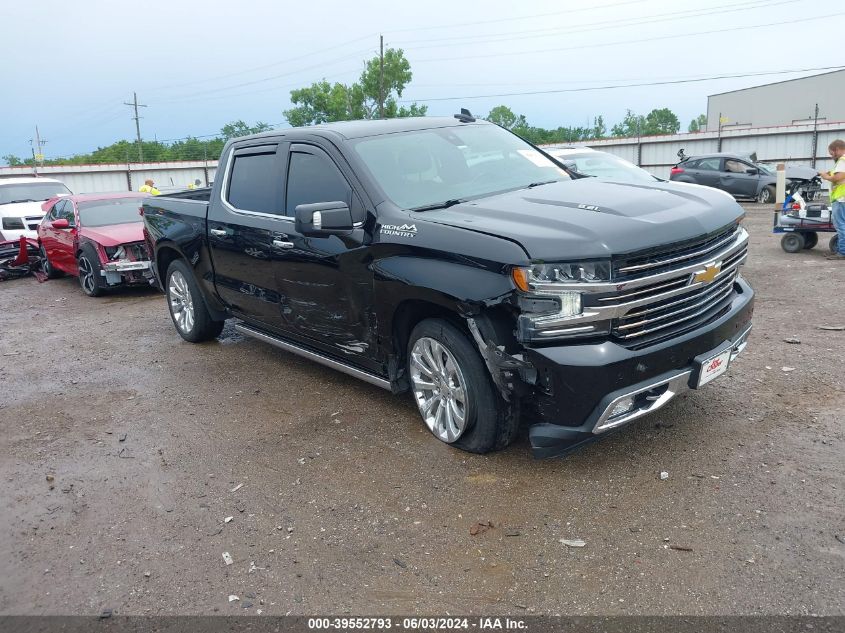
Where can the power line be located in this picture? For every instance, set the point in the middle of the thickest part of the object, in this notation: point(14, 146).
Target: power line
point(637, 41)
point(633, 85)
point(601, 25)
point(590, 7)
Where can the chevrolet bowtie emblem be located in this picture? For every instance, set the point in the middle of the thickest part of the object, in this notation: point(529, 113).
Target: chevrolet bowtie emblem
point(708, 274)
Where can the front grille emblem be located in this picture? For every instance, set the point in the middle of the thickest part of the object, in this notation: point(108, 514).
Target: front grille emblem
point(708, 274)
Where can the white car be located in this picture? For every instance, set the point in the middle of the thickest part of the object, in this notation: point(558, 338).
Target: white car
point(20, 204)
point(600, 164)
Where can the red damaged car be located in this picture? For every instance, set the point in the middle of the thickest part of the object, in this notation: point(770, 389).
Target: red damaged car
point(96, 237)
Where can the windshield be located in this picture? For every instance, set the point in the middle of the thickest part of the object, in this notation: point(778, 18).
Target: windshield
point(114, 211)
point(429, 167)
point(766, 169)
point(608, 166)
point(31, 191)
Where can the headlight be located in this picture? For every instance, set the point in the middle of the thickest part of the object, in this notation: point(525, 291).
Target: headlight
point(551, 303)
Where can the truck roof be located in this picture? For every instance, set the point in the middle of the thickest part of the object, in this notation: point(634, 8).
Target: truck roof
point(26, 180)
point(370, 127)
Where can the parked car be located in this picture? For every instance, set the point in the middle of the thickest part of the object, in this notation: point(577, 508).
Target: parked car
point(454, 260)
point(96, 237)
point(20, 204)
point(592, 162)
point(732, 173)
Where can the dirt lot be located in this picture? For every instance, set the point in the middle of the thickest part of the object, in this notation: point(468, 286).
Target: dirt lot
point(347, 504)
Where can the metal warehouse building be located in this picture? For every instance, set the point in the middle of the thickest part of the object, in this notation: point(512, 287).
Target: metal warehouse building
point(780, 103)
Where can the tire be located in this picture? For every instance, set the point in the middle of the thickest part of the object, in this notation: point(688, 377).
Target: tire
point(792, 242)
point(443, 357)
point(766, 195)
point(187, 306)
point(811, 238)
point(833, 245)
point(47, 267)
point(90, 279)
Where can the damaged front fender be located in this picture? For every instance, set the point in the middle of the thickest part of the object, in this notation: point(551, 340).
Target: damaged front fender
point(511, 373)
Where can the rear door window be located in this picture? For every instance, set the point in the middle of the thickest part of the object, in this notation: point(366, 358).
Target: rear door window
point(709, 164)
point(255, 182)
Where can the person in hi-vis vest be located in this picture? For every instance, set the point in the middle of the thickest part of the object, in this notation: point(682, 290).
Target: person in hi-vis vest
point(149, 187)
point(836, 178)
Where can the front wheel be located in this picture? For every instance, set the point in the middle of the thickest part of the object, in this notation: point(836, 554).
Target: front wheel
point(792, 242)
point(90, 279)
point(766, 195)
point(187, 307)
point(453, 390)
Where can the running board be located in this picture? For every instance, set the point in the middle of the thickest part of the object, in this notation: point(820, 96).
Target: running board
point(310, 355)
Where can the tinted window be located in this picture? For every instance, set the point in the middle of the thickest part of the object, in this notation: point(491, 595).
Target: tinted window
point(55, 209)
point(254, 183)
point(709, 164)
point(314, 178)
point(114, 211)
point(66, 212)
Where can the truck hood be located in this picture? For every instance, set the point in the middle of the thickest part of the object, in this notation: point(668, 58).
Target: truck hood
point(21, 209)
point(114, 234)
point(590, 218)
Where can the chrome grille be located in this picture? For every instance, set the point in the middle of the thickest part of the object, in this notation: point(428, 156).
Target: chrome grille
point(662, 306)
point(676, 256)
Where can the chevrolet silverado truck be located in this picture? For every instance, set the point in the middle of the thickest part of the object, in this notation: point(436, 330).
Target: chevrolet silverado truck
point(449, 258)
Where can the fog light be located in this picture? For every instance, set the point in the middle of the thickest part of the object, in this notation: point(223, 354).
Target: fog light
point(625, 405)
point(570, 303)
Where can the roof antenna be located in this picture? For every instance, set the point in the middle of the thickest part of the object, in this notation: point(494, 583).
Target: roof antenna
point(465, 116)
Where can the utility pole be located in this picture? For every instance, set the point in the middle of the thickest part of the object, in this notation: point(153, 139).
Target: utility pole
point(137, 105)
point(815, 134)
point(381, 76)
point(719, 137)
point(37, 150)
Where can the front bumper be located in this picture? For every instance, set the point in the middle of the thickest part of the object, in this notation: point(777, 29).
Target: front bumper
point(126, 271)
point(585, 383)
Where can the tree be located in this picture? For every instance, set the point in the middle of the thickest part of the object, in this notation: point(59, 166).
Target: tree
point(599, 128)
point(631, 125)
point(12, 161)
point(662, 121)
point(239, 128)
point(504, 116)
point(698, 124)
point(322, 102)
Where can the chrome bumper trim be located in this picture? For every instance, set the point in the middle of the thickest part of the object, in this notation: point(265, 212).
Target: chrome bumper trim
point(674, 385)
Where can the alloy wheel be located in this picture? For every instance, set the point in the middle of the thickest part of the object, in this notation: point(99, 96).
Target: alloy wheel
point(439, 389)
point(181, 302)
point(86, 275)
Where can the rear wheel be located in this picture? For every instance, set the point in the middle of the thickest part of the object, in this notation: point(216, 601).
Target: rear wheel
point(766, 195)
point(90, 279)
point(833, 245)
point(810, 239)
point(187, 308)
point(47, 267)
point(453, 390)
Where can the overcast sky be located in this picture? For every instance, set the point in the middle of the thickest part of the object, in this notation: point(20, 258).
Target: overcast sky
point(69, 66)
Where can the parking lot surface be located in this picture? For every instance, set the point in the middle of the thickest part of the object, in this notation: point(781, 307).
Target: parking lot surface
point(124, 451)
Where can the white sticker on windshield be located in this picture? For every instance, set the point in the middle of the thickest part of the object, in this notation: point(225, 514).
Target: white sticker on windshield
point(535, 157)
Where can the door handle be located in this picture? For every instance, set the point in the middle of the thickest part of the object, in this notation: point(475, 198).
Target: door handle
point(282, 244)
point(218, 232)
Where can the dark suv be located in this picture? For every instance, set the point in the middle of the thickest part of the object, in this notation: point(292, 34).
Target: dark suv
point(728, 172)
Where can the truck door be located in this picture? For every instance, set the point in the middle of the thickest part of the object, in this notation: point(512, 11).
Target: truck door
point(325, 283)
point(241, 224)
point(739, 178)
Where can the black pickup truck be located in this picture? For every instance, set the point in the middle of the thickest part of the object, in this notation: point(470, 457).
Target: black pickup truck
point(450, 258)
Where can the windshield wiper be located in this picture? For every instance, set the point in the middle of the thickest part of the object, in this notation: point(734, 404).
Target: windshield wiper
point(538, 184)
point(21, 200)
point(438, 205)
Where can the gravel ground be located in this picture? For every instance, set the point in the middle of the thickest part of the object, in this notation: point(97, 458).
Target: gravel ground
point(124, 451)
